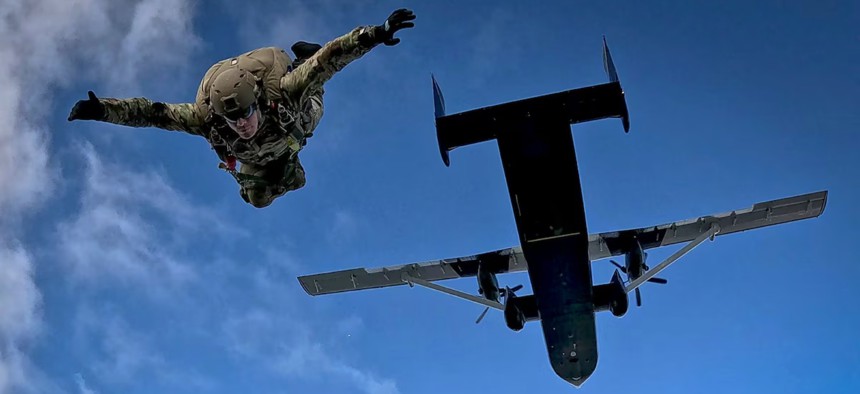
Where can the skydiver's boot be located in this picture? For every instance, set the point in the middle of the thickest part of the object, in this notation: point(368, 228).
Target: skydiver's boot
point(295, 178)
point(303, 51)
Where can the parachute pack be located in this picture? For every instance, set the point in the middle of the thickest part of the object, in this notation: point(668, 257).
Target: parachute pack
point(267, 64)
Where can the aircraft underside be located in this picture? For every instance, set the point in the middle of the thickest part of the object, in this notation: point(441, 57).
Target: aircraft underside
point(539, 160)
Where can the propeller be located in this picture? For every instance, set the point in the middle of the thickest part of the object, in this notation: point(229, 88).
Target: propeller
point(511, 291)
point(645, 268)
point(621, 267)
point(502, 293)
point(484, 313)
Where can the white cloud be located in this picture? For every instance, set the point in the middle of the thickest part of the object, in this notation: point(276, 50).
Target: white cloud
point(286, 27)
point(124, 356)
point(125, 353)
point(110, 236)
point(300, 21)
point(20, 320)
point(135, 228)
point(350, 325)
point(15, 372)
point(20, 300)
point(312, 358)
point(82, 385)
point(344, 228)
point(43, 43)
point(159, 38)
point(289, 347)
point(127, 226)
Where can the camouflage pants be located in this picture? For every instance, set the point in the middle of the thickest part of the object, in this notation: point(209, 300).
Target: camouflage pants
point(282, 175)
point(280, 178)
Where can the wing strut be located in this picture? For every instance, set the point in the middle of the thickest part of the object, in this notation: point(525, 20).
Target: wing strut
point(456, 293)
point(715, 228)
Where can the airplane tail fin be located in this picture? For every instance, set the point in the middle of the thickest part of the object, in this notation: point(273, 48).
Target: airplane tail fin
point(439, 104)
point(612, 74)
point(438, 99)
point(575, 106)
point(608, 65)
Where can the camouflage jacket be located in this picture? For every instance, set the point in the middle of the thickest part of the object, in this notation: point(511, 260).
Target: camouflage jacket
point(284, 122)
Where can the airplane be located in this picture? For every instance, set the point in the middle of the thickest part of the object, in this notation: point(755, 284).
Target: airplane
point(555, 248)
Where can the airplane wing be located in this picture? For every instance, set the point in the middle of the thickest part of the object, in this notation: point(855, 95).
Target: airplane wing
point(600, 246)
point(763, 214)
point(504, 260)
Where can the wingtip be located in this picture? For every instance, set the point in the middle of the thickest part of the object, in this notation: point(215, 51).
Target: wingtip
point(304, 286)
point(823, 201)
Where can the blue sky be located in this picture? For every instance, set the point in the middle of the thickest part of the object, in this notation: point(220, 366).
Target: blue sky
point(130, 264)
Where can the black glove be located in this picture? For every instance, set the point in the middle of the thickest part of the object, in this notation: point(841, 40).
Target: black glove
point(90, 109)
point(398, 20)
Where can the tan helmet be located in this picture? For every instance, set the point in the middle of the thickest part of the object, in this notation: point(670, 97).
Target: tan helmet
point(233, 93)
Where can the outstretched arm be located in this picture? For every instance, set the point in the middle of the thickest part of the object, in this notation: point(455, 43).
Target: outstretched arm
point(336, 54)
point(140, 112)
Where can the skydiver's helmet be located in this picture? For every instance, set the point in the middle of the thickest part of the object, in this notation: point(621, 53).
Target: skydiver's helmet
point(234, 93)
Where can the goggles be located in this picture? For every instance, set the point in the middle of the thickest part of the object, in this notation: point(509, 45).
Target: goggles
point(234, 116)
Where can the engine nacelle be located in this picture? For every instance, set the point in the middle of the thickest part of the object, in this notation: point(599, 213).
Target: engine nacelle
point(611, 296)
point(488, 285)
point(514, 317)
point(520, 310)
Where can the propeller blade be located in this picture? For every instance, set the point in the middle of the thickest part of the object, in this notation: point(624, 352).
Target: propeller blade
point(658, 280)
point(638, 298)
point(623, 269)
point(516, 288)
point(484, 313)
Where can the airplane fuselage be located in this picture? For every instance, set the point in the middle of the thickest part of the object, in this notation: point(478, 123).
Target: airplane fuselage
point(539, 160)
point(551, 221)
point(562, 285)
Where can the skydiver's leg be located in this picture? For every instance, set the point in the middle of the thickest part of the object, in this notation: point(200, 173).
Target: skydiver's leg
point(253, 193)
point(295, 176)
point(282, 177)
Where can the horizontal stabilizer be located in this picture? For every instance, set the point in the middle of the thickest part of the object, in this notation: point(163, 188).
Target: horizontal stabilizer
point(573, 106)
point(570, 106)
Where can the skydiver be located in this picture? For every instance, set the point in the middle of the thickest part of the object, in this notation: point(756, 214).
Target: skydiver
point(257, 108)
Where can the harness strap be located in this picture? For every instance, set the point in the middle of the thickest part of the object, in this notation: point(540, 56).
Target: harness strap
point(295, 136)
point(244, 180)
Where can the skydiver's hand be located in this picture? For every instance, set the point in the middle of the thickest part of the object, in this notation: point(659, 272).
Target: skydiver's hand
point(398, 20)
point(91, 109)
